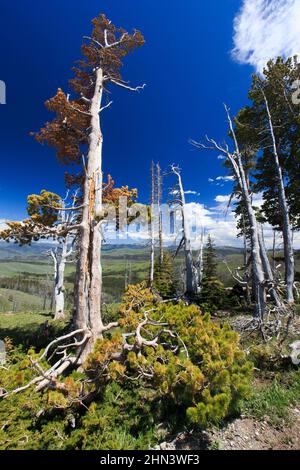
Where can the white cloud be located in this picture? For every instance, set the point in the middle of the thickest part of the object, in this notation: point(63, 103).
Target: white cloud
point(225, 178)
point(192, 193)
point(223, 199)
point(221, 226)
point(266, 29)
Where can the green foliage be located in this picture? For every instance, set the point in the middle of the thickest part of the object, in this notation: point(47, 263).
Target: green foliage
point(120, 420)
point(274, 400)
point(210, 259)
point(43, 208)
point(164, 281)
point(197, 375)
point(30, 329)
point(213, 294)
point(278, 75)
point(270, 356)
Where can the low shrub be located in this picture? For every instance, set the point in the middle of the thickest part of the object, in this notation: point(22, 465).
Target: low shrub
point(186, 370)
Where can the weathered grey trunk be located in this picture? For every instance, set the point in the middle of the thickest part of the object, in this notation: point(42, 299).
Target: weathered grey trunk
point(257, 265)
point(59, 259)
point(60, 256)
point(160, 216)
point(257, 268)
point(246, 261)
point(89, 271)
point(286, 226)
point(268, 271)
point(190, 282)
point(152, 231)
point(274, 250)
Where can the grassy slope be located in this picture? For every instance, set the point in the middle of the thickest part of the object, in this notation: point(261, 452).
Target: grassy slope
point(14, 268)
point(22, 300)
point(31, 260)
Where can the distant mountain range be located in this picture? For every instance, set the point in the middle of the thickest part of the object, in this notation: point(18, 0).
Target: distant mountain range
point(37, 252)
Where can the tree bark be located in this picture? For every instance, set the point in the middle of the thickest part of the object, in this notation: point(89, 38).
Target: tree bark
point(257, 265)
point(160, 220)
point(152, 232)
point(59, 259)
point(190, 283)
point(286, 226)
point(268, 271)
point(59, 274)
point(89, 271)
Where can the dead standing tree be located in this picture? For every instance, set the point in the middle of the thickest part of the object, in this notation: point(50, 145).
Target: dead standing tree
point(155, 219)
point(159, 182)
point(284, 208)
point(152, 227)
point(185, 242)
point(61, 256)
point(76, 127)
point(50, 217)
point(261, 270)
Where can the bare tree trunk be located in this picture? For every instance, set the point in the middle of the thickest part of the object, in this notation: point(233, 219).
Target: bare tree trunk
point(286, 226)
point(59, 272)
point(89, 272)
point(152, 231)
point(257, 266)
point(246, 262)
point(268, 271)
point(258, 273)
point(59, 259)
point(235, 159)
point(245, 243)
point(274, 250)
point(190, 284)
point(160, 220)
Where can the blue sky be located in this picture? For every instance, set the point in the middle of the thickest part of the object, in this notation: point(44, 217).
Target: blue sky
point(186, 63)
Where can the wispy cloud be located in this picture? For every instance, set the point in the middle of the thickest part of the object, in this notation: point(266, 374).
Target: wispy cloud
point(225, 178)
point(223, 199)
point(266, 29)
point(220, 180)
point(192, 193)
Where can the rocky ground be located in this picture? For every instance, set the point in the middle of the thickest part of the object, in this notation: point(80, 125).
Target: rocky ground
point(242, 434)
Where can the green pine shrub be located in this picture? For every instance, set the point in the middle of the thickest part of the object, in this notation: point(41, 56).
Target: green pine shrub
point(197, 375)
point(213, 295)
point(164, 278)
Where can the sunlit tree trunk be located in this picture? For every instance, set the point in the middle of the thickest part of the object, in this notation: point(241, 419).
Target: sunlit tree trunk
point(268, 271)
point(59, 260)
point(190, 282)
point(160, 218)
point(286, 226)
point(89, 279)
point(152, 231)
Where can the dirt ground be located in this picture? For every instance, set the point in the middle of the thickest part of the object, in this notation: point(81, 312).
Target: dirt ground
point(249, 434)
point(242, 434)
